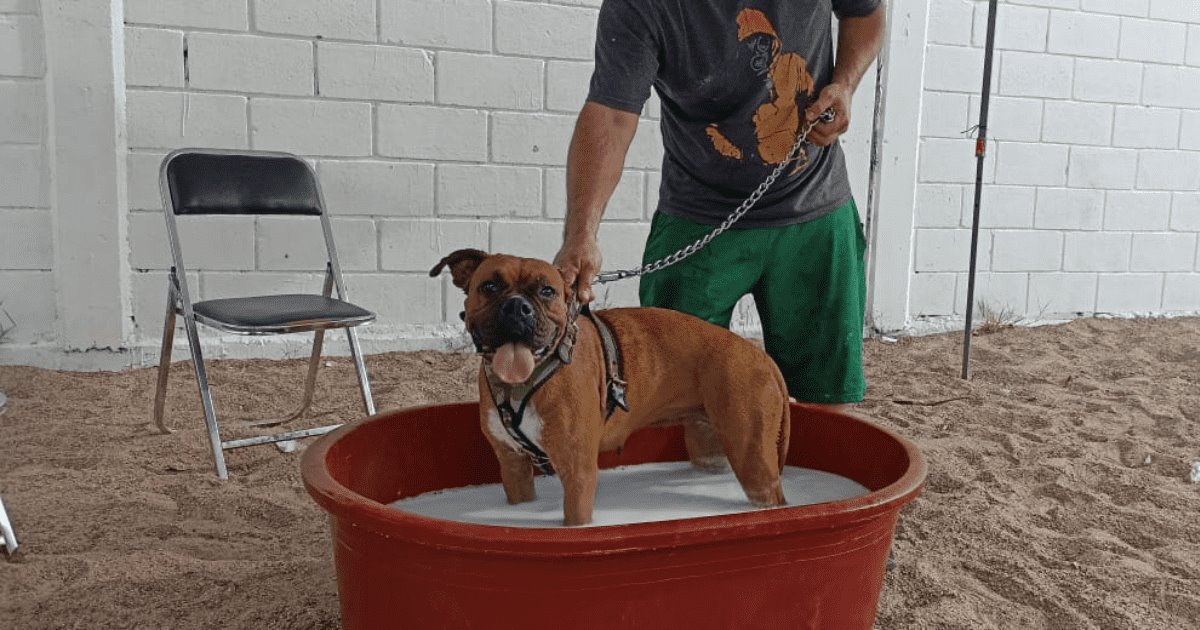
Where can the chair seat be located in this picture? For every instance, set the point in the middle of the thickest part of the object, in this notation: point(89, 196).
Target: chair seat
point(269, 314)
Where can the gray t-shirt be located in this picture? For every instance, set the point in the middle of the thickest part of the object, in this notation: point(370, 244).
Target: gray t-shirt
point(734, 78)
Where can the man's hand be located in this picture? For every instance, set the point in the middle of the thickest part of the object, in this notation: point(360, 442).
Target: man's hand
point(835, 96)
point(579, 260)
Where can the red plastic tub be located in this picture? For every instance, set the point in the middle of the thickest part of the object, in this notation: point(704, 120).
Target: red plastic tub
point(804, 567)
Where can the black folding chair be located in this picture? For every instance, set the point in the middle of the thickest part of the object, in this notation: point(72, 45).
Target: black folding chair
point(205, 182)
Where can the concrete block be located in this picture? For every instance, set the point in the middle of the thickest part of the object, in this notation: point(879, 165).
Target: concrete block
point(946, 114)
point(545, 30)
point(1069, 209)
point(999, 292)
point(35, 312)
point(1129, 293)
point(19, 6)
point(208, 242)
point(170, 120)
point(1035, 74)
point(622, 244)
point(940, 205)
point(374, 73)
point(1136, 8)
point(153, 57)
point(950, 250)
point(1171, 86)
point(1078, 123)
point(1084, 34)
point(1153, 40)
point(953, 68)
point(22, 53)
point(24, 107)
point(653, 187)
point(250, 63)
point(432, 133)
point(1193, 47)
point(1027, 250)
point(1094, 167)
point(459, 24)
point(932, 294)
point(1097, 251)
point(1005, 206)
point(1189, 131)
point(1017, 27)
point(541, 139)
point(489, 81)
point(311, 127)
point(950, 23)
point(1163, 252)
point(567, 84)
point(141, 170)
point(1175, 10)
point(1146, 128)
point(1137, 211)
point(1181, 293)
point(1052, 4)
point(1107, 81)
point(1169, 170)
point(26, 240)
point(322, 19)
point(479, 190)
point(1016, 119)
point(1062, 293)
point(1185, 212)
point(626, 203)
point(215, 285)
point(298, 244)
point(416, 245)
point(945, 161)
point(532, 239)
point(376, 188)
point(230, 15)
point(26, 178)
point(1032, 164)
point(397, 299)
point(646, 150)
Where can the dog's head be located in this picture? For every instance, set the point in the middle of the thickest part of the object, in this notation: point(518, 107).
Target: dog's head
point(516, 308)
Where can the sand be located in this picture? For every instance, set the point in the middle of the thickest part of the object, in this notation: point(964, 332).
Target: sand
point(1058, 494)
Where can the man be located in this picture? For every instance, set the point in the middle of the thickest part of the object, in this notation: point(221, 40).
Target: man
point(737, 80)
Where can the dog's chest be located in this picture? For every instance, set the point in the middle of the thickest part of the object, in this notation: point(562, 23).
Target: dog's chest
point(531, 425)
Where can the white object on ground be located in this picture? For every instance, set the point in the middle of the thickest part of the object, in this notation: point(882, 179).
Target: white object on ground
point(3, 400)
point(1195, 472)
point(286, 446)
point(630, 494)
point(7, 534)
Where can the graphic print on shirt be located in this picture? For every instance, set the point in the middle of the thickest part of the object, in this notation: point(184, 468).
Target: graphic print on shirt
point(777, 121)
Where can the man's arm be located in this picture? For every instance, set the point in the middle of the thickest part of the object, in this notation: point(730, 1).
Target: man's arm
point(859, 41)
point(594, 165)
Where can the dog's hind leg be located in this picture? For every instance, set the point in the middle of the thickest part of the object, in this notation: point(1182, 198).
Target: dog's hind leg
point(747, 421)
point(704, 445)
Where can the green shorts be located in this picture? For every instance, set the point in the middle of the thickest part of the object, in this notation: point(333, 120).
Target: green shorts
point(808, 282)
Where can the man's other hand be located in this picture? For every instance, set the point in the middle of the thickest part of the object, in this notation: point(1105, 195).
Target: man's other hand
point(836, 96)
point(579, 261)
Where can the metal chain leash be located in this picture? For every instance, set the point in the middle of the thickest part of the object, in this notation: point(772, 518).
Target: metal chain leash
point(662, 263)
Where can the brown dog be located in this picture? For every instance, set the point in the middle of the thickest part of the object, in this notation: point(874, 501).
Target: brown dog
point(552, 396)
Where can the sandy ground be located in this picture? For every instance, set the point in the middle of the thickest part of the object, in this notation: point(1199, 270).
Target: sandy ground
point(1057, 498)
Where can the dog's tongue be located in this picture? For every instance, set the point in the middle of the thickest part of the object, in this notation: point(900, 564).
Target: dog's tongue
point(513, 363)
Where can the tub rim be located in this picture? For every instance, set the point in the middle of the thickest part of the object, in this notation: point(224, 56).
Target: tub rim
point(344, 504)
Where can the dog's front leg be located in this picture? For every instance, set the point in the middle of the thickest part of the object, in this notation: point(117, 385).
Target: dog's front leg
point(579, 489)
point(516, 475)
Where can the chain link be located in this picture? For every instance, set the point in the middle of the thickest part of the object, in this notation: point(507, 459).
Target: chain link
point(734, 217)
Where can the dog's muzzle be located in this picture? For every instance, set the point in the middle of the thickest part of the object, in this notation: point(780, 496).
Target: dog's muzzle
point(517, 319)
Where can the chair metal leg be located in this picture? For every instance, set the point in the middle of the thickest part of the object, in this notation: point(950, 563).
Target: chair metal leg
point(164, 365)
point(363, 382)
point(309, 385)
point(210, 414)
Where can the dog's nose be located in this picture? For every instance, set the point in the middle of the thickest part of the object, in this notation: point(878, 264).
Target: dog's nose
point(517, 318)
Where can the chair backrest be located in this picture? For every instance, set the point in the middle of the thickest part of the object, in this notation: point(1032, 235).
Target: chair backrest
point(208, 182)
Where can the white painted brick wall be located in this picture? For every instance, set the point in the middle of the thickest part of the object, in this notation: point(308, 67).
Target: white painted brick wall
point(471, 190)
point(455, 24)
point(153, 57)
point(1083, 34)
point(21, 51)
point(170, 120)
point(1138, 211)
point(545, 30)
point(328, 19)
point(375, 73)
point(1146, 128)
point(251, 64)
point(377, 188)
point(24, 105)
point(1027, 250)
point(431, 133)
point(232, 15)
point(1096, 251)
point(1153, 40)
point(1058, 294)
point(1163, 252)
point(489, 81)
point(1129, 293)
point(311, 127)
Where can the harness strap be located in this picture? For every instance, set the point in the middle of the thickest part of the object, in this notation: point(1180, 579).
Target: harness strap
point(615, 385)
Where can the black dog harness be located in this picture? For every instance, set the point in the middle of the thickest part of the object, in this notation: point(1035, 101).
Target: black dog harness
point(512, 400)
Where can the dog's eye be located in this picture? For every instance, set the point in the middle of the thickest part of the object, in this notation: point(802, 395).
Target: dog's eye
point(547, 292)
point(489, 287)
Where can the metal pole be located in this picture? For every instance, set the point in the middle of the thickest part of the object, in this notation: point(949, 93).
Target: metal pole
point(980, 152)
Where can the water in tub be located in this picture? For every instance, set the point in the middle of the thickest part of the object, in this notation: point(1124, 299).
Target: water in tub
point(630, 494)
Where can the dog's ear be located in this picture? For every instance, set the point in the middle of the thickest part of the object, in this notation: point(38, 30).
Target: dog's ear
point(462, 264)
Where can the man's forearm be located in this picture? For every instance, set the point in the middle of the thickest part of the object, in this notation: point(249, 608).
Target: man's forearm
point(594, 165)
point(859, 41)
